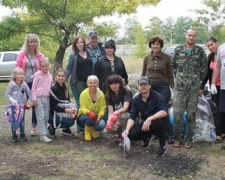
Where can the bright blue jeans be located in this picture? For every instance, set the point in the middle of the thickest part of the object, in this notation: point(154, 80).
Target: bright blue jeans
point(85, 120)
point(22, 127)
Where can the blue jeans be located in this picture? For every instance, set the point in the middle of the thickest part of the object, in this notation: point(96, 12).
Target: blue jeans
point(85, 120)
point(65, 122)
point(22, 127)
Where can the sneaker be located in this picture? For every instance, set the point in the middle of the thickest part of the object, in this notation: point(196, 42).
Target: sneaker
point(33, 132)
point(161, 151)
point(23, 137)
point(170, 140)
point(148, 142)
point(15, 138)
point(51, 131)
point(67, 132)
point(45, 139)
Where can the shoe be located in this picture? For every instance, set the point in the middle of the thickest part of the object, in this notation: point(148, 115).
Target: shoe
point(87, 133)
point(67, 132)
point(33, 132)
point(148, 142)
point(187, 145)
point(161, 151)
point(170, 140)
point(15, 138)
point(94, 134)
point(45, 139)
point(23, 137)
point(51, 131)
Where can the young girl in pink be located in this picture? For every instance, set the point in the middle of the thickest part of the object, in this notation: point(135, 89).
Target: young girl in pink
point(16, 92)
point(40, 94)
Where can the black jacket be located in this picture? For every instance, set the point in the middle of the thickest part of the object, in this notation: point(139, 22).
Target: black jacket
point(103, 69)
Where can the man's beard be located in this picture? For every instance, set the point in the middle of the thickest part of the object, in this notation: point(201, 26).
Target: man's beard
point(190, 44)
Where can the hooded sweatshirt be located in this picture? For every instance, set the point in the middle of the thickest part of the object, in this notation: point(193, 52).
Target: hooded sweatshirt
point(41, 85)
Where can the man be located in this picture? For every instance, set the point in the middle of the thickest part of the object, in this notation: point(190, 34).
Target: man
point(153, 110)
point(219, 70)
point(189, 66)
point(94, 47)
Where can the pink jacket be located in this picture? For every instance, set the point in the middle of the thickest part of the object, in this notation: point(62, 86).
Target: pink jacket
point(21, 60)
point(41, 86)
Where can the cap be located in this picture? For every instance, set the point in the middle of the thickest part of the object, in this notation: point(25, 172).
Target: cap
point(143, 79)
point(92, 34)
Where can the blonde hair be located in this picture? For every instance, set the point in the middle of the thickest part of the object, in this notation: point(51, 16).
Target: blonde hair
point(92, 77)
point(15, 72)
point(26, 47)
point(44, 60)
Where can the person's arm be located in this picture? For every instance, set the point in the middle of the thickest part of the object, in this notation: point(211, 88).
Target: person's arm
point(69, 67)
point(174, 62)
point(28, 91)
point(19, 59)
point(130, 124)
point(144, 67)
point(170, 73)
point(203, 66)
point(125, 76)
point(155, 117)
point(34, 91)
point(97, 69)
point(110, 111)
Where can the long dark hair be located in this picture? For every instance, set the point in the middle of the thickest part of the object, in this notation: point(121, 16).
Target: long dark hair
point(64, 84)
point(74, 45)
point(113, 79)
point(110, 44)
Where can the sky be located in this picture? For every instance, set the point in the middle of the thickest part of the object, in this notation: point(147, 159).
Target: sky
point(163, 10)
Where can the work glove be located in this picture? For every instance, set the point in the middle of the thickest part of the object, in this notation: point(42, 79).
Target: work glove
point(213, 89)
point(116, 113)
point(91, 114)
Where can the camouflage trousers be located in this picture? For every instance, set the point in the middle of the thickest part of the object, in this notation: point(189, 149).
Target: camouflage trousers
point(185, 100)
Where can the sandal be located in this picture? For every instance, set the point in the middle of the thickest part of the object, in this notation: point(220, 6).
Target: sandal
point(176, 144)
point(187, 145)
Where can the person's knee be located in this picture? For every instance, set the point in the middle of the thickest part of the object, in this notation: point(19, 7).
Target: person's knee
point(101, 125)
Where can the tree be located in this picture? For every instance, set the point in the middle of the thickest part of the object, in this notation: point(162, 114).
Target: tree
point(61, 19)
point(155, 28)
point(213, 18)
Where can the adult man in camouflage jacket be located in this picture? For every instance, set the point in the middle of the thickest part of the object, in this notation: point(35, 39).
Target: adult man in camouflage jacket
point(189, 66)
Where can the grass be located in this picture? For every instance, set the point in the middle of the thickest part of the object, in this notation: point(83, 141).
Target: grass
point(3, 87)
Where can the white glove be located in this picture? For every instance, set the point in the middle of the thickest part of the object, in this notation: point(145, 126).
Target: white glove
point(13, 101)
point(213, 89)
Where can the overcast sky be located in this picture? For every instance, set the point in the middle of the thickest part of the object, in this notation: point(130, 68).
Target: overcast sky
point(163, 10)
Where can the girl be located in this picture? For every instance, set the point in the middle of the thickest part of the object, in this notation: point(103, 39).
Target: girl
point(16, 93)
point(118, 99)
point(59, 98)
point(28, 59)
point(40, 94)
point(79, 66)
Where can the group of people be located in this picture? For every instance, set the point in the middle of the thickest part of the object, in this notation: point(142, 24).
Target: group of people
point(104, 102)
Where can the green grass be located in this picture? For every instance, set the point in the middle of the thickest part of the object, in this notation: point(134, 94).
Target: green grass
point(3, 87)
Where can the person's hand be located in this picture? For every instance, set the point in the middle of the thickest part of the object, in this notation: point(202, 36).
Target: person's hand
point(213, 89)
point(13, 101)
point(125, 133)
point(116, 113)
point(146, 125)
point(200, 92)
point(91, 114)
point(35, 103)
point(98, 119)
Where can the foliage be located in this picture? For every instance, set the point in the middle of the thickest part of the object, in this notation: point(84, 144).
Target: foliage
point(60, 20)
point(213, 18)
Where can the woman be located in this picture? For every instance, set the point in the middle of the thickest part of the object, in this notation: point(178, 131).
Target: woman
point(62, 111)
point(79, 66)
point(29, 60)
point(92, 108)
point(118, 99)
point(157, 67)
point(212, 44)
point(109, 64)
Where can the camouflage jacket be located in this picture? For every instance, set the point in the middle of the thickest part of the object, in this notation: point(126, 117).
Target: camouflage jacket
point(189, 68)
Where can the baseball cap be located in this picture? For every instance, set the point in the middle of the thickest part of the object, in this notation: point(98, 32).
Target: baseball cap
point(92, 34)
point(143, 79)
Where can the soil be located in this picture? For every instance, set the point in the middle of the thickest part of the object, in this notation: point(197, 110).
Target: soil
point(74, 158)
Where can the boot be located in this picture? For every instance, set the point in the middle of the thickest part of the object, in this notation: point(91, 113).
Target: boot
point(87, 133)
point(94, 134)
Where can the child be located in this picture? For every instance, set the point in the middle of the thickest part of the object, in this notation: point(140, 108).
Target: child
point(40, 94)
point(16, 93)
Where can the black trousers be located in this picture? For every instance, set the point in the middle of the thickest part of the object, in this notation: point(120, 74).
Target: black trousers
point(156, 128)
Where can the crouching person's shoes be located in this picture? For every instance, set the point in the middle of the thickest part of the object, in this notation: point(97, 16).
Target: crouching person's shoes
point(15, 138)
point(161, 151)
point(51, 131)
point(148, 141)
point(45, 139)
point(67, 132)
